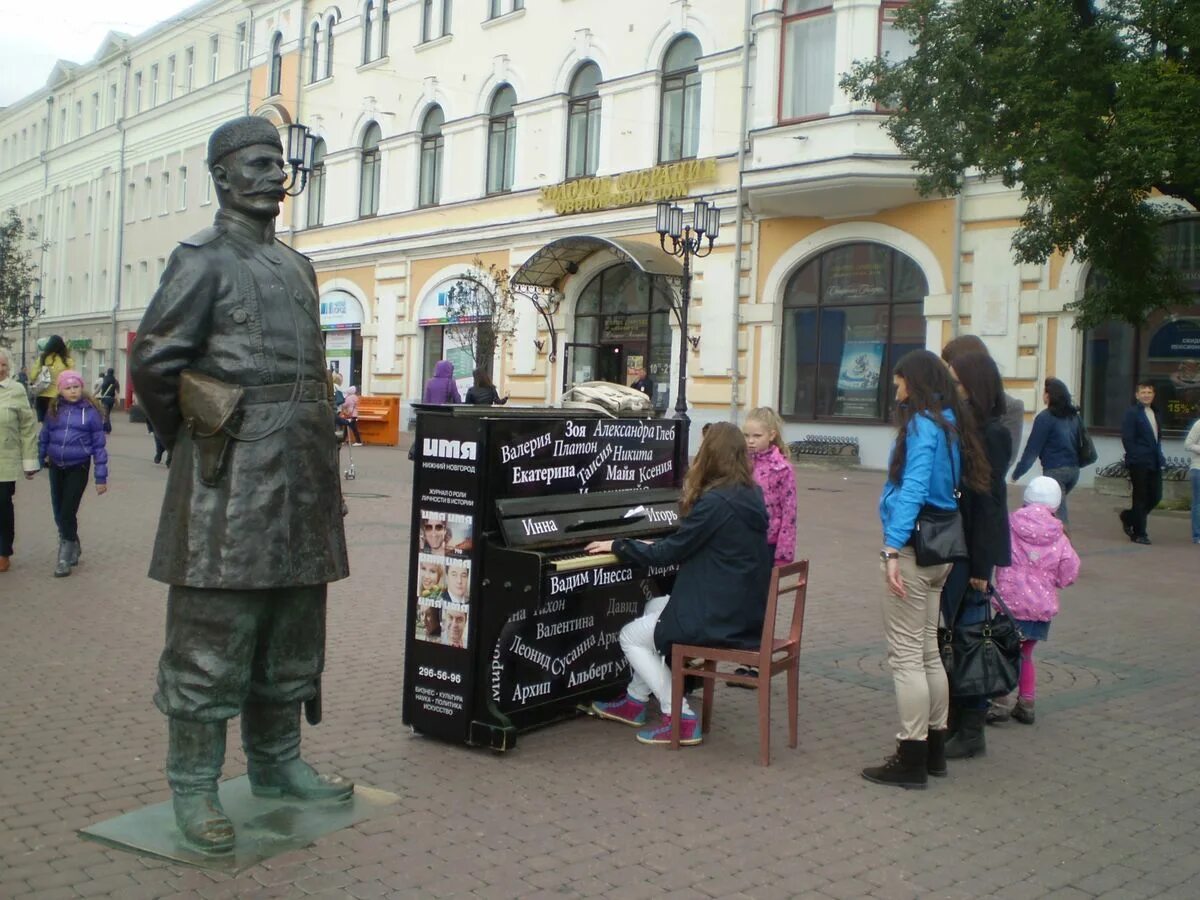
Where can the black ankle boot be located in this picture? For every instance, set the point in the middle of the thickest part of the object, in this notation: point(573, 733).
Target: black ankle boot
point(936, 760)
point(906, 768)
point(968, 741)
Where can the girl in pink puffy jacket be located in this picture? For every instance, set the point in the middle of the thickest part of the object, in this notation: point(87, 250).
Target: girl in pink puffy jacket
point(1043, 561)
point(774, 474)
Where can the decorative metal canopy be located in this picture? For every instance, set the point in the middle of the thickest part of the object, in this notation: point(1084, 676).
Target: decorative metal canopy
point(562, 257)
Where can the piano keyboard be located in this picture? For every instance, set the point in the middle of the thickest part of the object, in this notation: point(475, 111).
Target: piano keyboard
point(586, 561)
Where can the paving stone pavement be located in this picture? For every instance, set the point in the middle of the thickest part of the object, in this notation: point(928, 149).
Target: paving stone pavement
point(1099, 799)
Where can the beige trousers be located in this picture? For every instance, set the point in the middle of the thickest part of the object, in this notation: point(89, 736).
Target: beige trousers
point(910, 623)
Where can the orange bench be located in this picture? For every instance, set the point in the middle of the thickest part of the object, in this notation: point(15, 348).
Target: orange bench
point(379, 420)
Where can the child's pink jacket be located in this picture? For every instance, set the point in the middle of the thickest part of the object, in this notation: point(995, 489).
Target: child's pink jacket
point(775, 476)
point(1043, 561)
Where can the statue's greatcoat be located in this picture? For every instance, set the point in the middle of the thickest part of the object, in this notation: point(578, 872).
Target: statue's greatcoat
point(244, 310)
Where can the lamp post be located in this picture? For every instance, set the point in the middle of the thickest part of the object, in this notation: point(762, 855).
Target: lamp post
point(29, 308)
point(300, 145)
point(687, 241)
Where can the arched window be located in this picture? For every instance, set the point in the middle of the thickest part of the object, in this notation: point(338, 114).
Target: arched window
point(431, 157)
point(679, 132)
point(276, 64)
point(329, 47)
point(502, 141)
point(384, 19)
point(368, 182)
point(368, 18)
point(316, 186)
point(622, 331)
point(583, 122)
point(849, 314)
point(314, 71)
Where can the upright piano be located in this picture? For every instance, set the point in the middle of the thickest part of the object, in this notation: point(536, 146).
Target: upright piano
point(511, 624)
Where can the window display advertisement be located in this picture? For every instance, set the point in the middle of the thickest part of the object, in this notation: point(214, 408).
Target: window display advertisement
point(441, 595)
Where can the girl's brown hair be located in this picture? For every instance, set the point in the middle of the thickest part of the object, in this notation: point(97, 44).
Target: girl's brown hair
point(770, 420)
point(722, 460)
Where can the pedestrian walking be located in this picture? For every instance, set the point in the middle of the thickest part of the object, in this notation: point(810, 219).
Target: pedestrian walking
point(1192, 445)
point(1141, 436)
point(441, 388)
point(110, 388)
point(1043, 562)
point(964, 598)
point(72, 438)
point(18, 450)
point(924, 468)
point(483, 392)
point(55, 360)
point(347, 416)
point(720, 592)
point(1054, 442)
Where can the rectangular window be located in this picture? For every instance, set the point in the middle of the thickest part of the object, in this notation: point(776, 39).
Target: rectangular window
point(431, 170)
point(498, 8)
point(214, 58)
point(165, 186)
point(63, 137)
point(316, 197)
point(126, 281)
point(189, 67)
point(681, 117)
point(96, 111)
point(137, 92)
point(208, 186)
point(131, 203)
point(809, 69)
point(144, 288)
point(446, 4)
point(183, 187)
point(78, 118)
point(106, 210)
point(426, 20)
point(90, 209)
point(148, 190)
point(112, 104)
point(583, 137)
point(895, 44)
point(170, 78)
point(154, 86)
point(502, 145)
point(239, 61)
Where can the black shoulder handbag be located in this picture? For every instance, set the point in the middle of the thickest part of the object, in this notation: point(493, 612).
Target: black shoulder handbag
point(1085, 449)
point(938, 537)
point(984, 659)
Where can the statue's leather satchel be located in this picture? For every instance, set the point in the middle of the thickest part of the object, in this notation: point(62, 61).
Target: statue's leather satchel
point(208, 406)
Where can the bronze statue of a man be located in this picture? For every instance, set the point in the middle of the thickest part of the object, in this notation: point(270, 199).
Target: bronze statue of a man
point(229, 364)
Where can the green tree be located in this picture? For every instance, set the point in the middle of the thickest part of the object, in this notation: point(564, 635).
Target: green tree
point(479, 311)
point(1088, 108)
point(17, 272)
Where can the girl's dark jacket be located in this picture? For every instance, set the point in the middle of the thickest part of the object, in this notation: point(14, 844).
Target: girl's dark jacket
point(985, 515)
point(720, 593)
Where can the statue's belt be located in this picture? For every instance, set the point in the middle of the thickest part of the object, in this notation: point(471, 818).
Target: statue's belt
point(304, 392)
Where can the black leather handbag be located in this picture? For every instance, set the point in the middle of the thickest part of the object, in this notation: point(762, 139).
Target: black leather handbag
point(938, 537)
point(984, 659)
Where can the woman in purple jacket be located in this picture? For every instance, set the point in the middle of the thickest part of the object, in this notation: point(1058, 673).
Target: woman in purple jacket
point(442, 388)
point(72, 436)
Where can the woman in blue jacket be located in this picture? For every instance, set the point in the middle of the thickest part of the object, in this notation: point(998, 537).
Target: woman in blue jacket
point(1054, 442)
point(926, 462)
point(720, 593)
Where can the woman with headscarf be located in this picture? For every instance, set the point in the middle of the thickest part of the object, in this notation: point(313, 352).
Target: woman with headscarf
point(442, 388)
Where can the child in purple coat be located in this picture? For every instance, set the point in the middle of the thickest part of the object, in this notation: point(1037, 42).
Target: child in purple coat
point(1043, 561)
point(72, 437)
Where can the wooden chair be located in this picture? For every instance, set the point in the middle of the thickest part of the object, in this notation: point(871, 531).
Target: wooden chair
point(773, 656)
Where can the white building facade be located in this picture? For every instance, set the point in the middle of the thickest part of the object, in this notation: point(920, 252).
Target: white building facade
point(454, 137)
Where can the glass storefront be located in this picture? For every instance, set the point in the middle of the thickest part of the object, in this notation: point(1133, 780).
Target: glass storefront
point(622, 328)
point(849, 314)
point(1164, 351)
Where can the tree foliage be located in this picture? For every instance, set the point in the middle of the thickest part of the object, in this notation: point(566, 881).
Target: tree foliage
point(1088, 108)
point(479, 311)
point(17, 269)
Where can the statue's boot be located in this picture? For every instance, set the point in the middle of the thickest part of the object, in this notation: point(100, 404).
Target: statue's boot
point(271, 738)
point(195, 754)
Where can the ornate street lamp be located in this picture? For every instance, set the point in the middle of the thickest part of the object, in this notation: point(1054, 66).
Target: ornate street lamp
point(687, 241)
point(29, 308)
point(300, 145)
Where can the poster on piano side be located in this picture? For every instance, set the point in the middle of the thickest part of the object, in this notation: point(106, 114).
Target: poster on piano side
point(442, 575)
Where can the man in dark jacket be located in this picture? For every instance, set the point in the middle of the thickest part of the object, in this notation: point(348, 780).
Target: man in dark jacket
point(1141, 436)
point(230, 368)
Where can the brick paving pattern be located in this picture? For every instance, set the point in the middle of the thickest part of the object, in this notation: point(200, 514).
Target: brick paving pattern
point(1099, 799)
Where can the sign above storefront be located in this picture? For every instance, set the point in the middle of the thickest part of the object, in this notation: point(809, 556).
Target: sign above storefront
point(80, 344)
point(666, 182)
point(340, 311)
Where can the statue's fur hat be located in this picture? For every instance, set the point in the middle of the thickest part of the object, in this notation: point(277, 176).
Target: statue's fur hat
point(245, 131)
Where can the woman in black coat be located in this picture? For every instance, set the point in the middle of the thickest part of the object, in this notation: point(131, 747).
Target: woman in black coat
point(720, 593)
point(985, 520)
point(483, 392)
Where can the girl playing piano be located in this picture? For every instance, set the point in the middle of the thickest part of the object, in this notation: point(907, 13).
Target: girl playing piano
point(720, 592)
